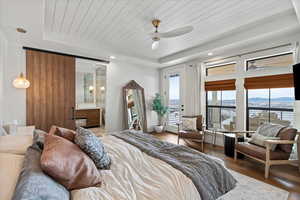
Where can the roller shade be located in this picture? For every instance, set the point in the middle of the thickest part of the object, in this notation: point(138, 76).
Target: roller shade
point(220, 85)
point(274, 81)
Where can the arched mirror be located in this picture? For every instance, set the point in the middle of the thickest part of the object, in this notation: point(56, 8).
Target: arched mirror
point(134, 107)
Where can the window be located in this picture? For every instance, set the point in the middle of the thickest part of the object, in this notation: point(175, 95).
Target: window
point(221, 69)
point(220, 109)
point(283, 60)
point(273, 105)
point(174, 99)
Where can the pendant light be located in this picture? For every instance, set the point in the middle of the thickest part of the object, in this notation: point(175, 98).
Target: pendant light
point(21, 82)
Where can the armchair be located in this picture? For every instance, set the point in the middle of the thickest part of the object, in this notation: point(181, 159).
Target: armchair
point(280, 156)
point(194, 135)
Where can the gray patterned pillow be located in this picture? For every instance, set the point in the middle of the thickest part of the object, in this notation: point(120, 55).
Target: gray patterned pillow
point(93, 147)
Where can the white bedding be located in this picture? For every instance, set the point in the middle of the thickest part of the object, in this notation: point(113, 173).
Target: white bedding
point(137, 176)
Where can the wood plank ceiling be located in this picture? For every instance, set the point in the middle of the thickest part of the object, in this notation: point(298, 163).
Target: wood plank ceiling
point(124, 25)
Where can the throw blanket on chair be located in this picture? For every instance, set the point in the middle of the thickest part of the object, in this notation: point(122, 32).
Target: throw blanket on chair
point(211, 179)
point(269, 130)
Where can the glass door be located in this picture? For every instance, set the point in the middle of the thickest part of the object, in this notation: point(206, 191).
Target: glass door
point(174, 93)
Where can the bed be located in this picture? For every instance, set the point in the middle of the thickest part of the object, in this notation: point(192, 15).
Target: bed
point(134, 175)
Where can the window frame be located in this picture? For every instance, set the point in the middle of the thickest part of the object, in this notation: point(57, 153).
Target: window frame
point(220, 65)
point(262, 108)
point(264, 57)
point(217, 106)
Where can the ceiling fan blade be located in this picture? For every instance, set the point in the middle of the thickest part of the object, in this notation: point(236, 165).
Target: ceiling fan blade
point(177, 32)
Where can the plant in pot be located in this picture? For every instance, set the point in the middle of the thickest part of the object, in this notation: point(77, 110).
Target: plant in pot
point(161, 110)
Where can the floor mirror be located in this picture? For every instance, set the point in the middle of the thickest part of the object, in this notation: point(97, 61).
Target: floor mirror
point(134, 107)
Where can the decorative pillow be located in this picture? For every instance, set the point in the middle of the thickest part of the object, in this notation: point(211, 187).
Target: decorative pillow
point(93, 147)
point(33, 183)
point(2, 131)
point(25, 130)
point(189, 124)
point(67, 164)
point(63, 132)
point(15, 144)
point(260, 140)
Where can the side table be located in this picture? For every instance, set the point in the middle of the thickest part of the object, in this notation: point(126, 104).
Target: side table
point(229, 144)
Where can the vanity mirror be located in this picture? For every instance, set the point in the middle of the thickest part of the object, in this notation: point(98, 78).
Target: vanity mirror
point(134, 107)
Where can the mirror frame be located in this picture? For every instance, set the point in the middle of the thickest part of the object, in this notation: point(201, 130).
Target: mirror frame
point(134, 85)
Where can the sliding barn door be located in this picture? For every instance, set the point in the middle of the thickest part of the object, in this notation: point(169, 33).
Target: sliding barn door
point(50, 99)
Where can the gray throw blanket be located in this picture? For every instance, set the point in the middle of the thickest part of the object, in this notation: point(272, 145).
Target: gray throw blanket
point(269, 130)
point(211, 179)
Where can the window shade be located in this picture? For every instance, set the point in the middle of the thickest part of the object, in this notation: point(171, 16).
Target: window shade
point(220, 85)
point(275, 81)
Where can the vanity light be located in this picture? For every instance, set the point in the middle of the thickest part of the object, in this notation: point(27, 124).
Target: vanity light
point(21, 82)
point(102, 88)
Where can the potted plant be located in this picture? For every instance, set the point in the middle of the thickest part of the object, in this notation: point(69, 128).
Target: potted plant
point(161, 110)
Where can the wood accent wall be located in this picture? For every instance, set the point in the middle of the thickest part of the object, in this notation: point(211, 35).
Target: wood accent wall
point(220, 85)
point(274, 81)
point(50, 99)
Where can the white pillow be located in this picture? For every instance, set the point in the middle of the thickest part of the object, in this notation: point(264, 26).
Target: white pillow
point(189, 124)
point(12, 129)
point(15, 144)
point(260, 140)
point(2, 131)
point(25, 130)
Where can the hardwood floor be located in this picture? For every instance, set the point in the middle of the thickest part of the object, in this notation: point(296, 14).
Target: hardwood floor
point(285, 177)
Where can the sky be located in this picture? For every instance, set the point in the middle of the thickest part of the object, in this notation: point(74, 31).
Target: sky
point(174, 90)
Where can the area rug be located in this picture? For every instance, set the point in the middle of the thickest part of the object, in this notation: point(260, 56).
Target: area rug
point(251, 189)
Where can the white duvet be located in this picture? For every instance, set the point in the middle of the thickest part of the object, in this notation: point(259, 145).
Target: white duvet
point(137, 176)
point(133, 176)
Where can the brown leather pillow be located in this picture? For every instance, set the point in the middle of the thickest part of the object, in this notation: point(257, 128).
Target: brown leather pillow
point(67, 164)
point(287, 133)
point(63, 132)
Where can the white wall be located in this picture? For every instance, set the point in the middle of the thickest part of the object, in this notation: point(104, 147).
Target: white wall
point(118, 75)
point(2, 58)
point(14, 100)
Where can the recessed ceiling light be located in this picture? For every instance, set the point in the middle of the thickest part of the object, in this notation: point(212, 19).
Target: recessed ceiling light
point(112, 57)
point(210, 54)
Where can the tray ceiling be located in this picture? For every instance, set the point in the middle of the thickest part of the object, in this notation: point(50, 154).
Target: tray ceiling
point(123, 26)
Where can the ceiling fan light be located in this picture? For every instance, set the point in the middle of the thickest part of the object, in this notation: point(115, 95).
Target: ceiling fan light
point(155, 45)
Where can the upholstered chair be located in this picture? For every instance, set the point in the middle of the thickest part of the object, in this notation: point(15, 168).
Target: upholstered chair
point(195, 135)
point(279, 156)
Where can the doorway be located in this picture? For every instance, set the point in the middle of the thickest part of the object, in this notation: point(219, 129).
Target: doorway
point(173, 85)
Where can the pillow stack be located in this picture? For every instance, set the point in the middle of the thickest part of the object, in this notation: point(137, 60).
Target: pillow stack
point(59, 161)
point(70, 158)
point(73, 158)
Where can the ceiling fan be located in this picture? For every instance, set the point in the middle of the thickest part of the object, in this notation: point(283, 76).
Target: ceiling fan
point(174, 33)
